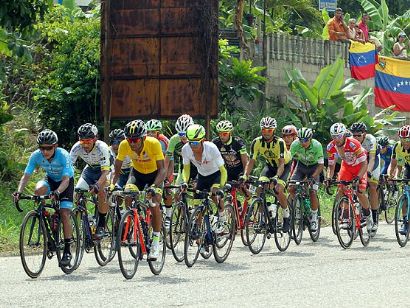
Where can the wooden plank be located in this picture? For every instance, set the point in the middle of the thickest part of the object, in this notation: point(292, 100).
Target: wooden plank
point(117, 5)
point(134, 22)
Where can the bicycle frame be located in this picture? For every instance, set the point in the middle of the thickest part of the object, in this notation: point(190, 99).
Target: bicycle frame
point(239, 217)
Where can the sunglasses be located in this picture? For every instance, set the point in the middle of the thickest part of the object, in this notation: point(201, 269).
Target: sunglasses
point(87, 141)
point(267, 130)
point(195, 143)
point(46, 148)
point(134, 140)
point(224, 134)
point(340, 136)
point(304, 140)
point(181, 134)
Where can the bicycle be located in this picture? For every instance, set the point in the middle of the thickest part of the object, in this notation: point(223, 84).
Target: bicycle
point(402, 213)
point(301, 212)
point(349, 219)
point(41, 236)
point(388, 196)
point(261, 224)
point(135, 233)
point(204, 234)
point(103, 247)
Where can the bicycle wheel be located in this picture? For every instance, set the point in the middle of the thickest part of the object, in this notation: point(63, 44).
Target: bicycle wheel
point(334, 215)
point(75, 245)
point(297, 219)
point(402, 238)
point(256, 227)
point(194, 236)
point(177, 231)
point(104, 249)
point(128, 242)
point(364, 235)
point(224, 240)
point(282, 239)
point(33, 244)
point(391, 204)
point(78, 216)
point(314, 235)
point(157, 265)
point(345, 223)
point(243, 231)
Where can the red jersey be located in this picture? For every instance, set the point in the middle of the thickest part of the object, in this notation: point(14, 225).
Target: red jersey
point(351, 153)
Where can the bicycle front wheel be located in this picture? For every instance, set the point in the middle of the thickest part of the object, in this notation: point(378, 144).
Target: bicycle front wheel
point(297, 219)
point(224, 238)
point(400, 219)
point(345, 223)
point(195, 236)
point(129, 248)
point(177, 231)
point(33, 244)
point(256, 226)
point(157, 265)
point(282, 239)
point(104, 249)
point(391, 204)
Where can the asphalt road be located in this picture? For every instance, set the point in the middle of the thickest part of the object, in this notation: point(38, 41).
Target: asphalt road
point(318, 274)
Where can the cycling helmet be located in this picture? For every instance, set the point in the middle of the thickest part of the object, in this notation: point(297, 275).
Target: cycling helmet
point(289, 130)
point(383, 141)
point(268, 122)
point(195, 132)
point(338, 129)
point(404, 131)
point(47, 137)
point(135, 129)
point(117, 134)
point(131, 188)
point(224, 126)
point(358, 127)
point(87, 131)
point(153, 125)
point(183, 122)
point(305, 132)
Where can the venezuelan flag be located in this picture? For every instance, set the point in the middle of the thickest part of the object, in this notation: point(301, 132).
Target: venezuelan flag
point(362, 60)
point(392, 83)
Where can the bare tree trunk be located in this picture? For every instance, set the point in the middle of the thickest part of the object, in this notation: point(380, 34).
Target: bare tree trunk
point(240, 5)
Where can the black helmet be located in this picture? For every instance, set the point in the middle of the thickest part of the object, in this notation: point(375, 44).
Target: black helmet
point(358, 127)
point(383, 141)
point(47, 137)
point(135, 129)
point(87, 130)
point(117, 134)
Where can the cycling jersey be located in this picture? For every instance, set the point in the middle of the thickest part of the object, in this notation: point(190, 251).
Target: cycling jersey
point(211, 158)
point(174, 149)
point(386, 158)
point(146, 161)
point(311, 156)
point(59, 166)
point(126, 163)
point(271, 151)
point(231, 153)
point(401, 155)
point(352, 153)
point(164, 142)
point(98, 157)
point(370, 145)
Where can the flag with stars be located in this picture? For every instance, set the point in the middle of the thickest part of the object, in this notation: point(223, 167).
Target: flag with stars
point(362, 60)
point(392, 83)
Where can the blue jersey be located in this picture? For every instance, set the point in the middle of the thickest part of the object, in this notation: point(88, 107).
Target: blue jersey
point(59, 166)
point(386, 158)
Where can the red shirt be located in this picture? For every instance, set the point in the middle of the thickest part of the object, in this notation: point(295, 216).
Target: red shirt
point(352, 152)
point(365, 29)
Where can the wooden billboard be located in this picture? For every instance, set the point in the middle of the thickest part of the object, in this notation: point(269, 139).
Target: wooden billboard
point(159, 58)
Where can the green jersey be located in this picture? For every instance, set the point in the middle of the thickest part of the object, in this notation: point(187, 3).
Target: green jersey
point(174, 149)
point(311, 156)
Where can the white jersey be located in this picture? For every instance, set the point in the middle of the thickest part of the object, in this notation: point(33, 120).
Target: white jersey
point(126, 163)
point(211, 158)
point(98, 157)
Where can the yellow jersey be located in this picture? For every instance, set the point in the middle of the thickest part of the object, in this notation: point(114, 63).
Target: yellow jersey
point(146, 162)
point(271, 151)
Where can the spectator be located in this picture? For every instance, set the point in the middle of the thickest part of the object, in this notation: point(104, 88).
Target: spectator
point(353, 31)
point(400, 48)
point(337, 28)
point(364, 27)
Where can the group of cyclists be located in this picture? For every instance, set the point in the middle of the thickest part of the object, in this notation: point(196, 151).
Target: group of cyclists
point(140, 156)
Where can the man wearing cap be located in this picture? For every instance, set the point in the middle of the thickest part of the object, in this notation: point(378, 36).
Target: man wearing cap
point(337, 28)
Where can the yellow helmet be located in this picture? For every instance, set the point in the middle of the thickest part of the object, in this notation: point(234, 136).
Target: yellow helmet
point(131, 188)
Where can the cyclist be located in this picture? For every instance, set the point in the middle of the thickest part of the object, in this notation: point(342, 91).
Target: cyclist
point(59, 181)
point(148, 169)
point(212, 174)
point(369, 143)
point(400, 158)
point(308, 153)
point(353, 167)
point(232, 148)
point(278, 162)
point(116, 137)
point(96, 154)
point(289, 134)
point(386, 151)
point(154, 128)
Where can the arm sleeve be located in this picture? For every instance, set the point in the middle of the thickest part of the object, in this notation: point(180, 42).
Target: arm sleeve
point(171, 147)
point(331, 154)
point(254, 150)
point(32, 163)
point(242, 147)
point(186, 172)
point(224, 175)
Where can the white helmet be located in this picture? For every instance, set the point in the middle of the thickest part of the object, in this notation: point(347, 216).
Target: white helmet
point(338, 129)
point(183, 122)
point(268, 122)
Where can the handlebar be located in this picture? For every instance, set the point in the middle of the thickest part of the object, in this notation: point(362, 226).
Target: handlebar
point(30, 197)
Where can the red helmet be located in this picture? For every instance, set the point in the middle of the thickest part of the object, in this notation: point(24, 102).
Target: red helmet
point(289, 130)
point(404, 131)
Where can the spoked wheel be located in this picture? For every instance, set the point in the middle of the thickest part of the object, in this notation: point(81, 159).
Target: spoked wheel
point(400, 220)
point(75, 245)
point(194, 237)
point(282, 238)
point(177, 232)
point(157, 265)
point(224, 238)
point(243, 231)
point(391, 204)
point(345, 224)
point(33, 244)
point(256, 226)
point(104, 249)
point(297, 220)
point(129, 248)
